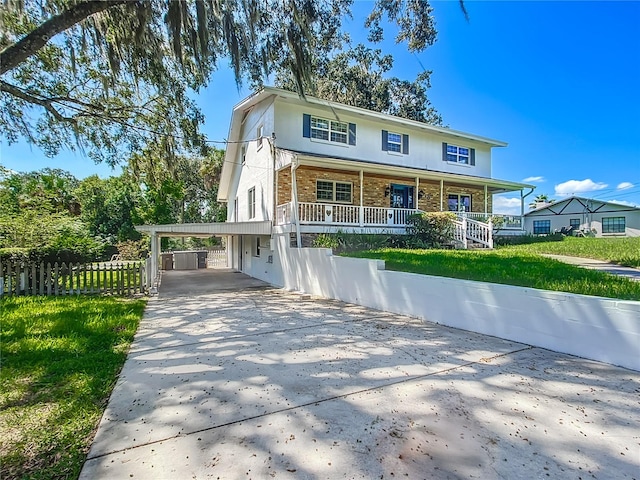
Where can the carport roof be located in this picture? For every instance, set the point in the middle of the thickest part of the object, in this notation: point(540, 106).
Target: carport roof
point(207, 229)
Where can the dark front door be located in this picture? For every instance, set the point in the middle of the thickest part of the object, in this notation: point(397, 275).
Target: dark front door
point(402, 196)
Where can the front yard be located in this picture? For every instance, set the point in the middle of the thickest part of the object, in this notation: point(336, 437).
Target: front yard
point(60, 360)
point(523, 265)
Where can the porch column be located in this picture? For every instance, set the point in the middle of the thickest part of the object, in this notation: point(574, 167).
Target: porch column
point(416, 195)
point(441, 193)
point(486, 201)
point(294, 200)
point(361, 212)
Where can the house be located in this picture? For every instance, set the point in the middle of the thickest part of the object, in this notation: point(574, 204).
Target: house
point(584, 216)
point(297, 167)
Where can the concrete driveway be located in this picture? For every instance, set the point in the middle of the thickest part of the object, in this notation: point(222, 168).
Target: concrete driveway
point(253, 382)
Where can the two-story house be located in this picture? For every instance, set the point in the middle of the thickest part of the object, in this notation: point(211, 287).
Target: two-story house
point(295, 167)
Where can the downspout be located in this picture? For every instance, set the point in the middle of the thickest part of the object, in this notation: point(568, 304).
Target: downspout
point(522, 197)
point(361, 214)
point(294, 199)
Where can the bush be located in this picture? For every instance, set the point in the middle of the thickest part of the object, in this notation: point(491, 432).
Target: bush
point(133, 249)
point(431, 229)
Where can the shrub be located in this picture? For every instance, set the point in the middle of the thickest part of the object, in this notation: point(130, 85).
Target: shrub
point(430, 229)
point(504, 240)
point(133, 249)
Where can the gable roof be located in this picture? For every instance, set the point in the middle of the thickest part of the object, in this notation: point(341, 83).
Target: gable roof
point(588, 205)
point(272, 94)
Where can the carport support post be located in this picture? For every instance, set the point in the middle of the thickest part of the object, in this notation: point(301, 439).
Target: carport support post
point(155, 255)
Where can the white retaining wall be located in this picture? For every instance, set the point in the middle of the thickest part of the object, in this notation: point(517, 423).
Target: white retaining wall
point(590, 327)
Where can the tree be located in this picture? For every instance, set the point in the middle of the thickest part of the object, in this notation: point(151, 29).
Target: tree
point(114, 76)
point(541, 199)
point(357, 77)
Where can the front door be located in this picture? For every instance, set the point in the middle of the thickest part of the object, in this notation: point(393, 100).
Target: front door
point(401, 196)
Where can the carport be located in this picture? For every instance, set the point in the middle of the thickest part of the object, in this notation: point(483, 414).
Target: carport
point(200, 230)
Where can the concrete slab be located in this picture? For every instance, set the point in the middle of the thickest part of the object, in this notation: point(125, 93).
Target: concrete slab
point(261, 384)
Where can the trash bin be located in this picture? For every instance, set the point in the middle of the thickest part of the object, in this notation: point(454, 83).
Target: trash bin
point(166, 261)
point(202, 258)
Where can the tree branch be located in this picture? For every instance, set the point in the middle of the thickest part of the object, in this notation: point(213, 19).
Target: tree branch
point(15, 54)
point(46, 104)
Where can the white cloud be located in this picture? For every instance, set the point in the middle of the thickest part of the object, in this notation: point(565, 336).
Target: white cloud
point(506, 205)
point(575, 187)
point(535, 179)
point(624, 202)
point(625, 185)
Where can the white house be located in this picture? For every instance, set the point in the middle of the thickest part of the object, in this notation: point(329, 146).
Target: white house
point(296, 167)
point(586, 216)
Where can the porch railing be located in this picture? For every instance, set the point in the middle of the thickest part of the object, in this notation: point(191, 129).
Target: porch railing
point(345, 215)
point(508, 222)
point(467, 230)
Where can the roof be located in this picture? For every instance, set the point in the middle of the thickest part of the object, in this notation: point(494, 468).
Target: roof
point(207, 229)
point(591, 205)
point(272, 93)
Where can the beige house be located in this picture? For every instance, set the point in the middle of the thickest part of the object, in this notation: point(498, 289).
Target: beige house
point(584, 216)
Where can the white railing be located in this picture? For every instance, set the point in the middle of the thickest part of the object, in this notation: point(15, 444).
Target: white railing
point(347, 215)
point(460, 233)
point(509, 222)
point(467, 230)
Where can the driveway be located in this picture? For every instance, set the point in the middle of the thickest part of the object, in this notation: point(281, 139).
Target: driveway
point(253, 382)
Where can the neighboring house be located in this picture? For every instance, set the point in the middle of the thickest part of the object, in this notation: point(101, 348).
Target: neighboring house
point(297, 167)
point(586, 216)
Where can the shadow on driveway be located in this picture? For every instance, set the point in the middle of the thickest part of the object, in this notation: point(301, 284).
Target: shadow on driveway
point(178, 283)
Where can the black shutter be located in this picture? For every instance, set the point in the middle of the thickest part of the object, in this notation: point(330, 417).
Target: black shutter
point(306, 125)
point(405, 144)
point(352, 134)
point(444, 151)
point(385, 140)
point(472, 158)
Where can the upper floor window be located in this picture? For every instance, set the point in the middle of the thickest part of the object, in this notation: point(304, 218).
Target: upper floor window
point(458, 154)
point(259, 133)
point(613, 225)
point(328, 130)
point(395, 142)
point(330, 191)
point(252, 202)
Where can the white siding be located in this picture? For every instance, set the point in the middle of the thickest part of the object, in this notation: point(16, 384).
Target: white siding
point(425, 148)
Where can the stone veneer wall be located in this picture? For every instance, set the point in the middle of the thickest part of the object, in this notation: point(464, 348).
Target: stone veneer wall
point(374, 188)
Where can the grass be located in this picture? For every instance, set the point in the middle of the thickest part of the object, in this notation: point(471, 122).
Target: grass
point(508, 265)
point(623, 251)
point(60, 360)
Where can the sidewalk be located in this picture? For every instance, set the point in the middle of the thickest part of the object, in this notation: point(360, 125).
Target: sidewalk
point(612, 268)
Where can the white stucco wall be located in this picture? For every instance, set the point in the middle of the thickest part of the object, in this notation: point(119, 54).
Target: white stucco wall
point(590, 327)
point(425, 148)
point(591, 221)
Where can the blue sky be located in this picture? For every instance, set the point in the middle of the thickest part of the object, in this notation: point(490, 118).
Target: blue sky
point(558, 81)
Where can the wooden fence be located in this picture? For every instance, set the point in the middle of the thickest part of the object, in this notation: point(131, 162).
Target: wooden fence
point(120, 278)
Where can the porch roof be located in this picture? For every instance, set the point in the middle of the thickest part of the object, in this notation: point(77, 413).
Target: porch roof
point(338, 163)
point(207, 229)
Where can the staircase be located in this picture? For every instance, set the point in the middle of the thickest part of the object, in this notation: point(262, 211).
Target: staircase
point(472, 233)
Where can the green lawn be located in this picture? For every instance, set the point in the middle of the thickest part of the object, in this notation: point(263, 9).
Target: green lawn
point(60, 360)
point(508, 265)
point(623, 251)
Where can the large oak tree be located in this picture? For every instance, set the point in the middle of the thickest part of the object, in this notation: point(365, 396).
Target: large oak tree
point(114, 76)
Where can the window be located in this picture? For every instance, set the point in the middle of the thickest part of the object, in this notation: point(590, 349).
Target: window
point(457, 154)
point(252, 202)
point(328, 130)
point(613, 225)
point(395, 142)
point(541, 227)
point(459, 203)
point(574, 223)
point(256, 248)
point(259, 137)
point(330, 191)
